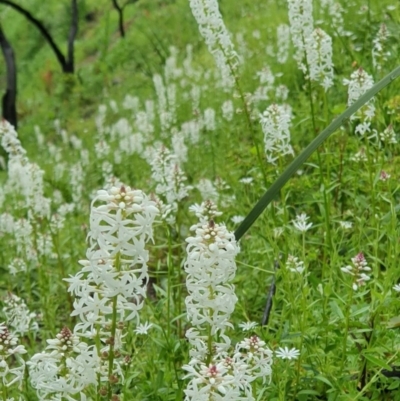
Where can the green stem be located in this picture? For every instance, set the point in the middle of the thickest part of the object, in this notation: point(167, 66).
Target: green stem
point(209, 345)
point(180, 283)
point(169, 282)
point(248, 119)
point(63, 274)
point(321, 174)
point(346, 328)
point(111, 353)
point(4, 392)
point(302, 319)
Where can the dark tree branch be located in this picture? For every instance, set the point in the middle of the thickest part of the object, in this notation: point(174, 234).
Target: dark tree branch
point(120, 11)
point(10, 97)
point(42, 29)
point(72, 35)
point(67, 65)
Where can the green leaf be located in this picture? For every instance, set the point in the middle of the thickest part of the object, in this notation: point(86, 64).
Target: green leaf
point(324, 379)
point(376, 361)
point(274, 189)
point(339, 108)
point(394, 385)
point(393, 322)
point(308, 392)
point(336, 309)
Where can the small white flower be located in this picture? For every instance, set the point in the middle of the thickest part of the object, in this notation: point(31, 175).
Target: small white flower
point(143, 328)
point(286, 353)
point(388, 135)
point(301, 222)
point(294, 264)
point(360, 156)
point(247, 326)
point(360, 266)
point(278, 231)
point(396, 287)
point(246, 180)
point(237, 219)
point(346, 225)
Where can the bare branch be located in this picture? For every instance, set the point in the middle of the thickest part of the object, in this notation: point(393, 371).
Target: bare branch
point(42, 29)
point(67, 65)
point(120, 10)
point(72, 35)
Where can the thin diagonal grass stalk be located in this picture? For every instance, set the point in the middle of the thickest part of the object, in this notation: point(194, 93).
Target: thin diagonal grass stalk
point(274, 189)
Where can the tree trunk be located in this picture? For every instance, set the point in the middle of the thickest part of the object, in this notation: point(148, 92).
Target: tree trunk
point(10, 97)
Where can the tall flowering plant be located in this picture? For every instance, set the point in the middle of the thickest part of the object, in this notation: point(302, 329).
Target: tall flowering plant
point(360, 81)
point(109, 292)
point(275, 123)
point(217, 371)
point(12, 365)
point(217, 38)
point(23, 176)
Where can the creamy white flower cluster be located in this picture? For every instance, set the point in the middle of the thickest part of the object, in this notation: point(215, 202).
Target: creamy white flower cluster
point(314, 45)
point(218, 41)
point(210, 265)
point(18, 315)
point(283, 43)
point(214, 370)
point(12, 366)
point(359, 82)
point(275, 123)
point(379, 55)
point(23, 176)
point(334, 16)
point(267, 79)
point(116, 264)
point(319, 57)
point(170, 179)
point(166, 102)
point(65, 368)
point(229, 378)
point(25, 251)
point(111, 287)
point(359, 271)
point(301, 26)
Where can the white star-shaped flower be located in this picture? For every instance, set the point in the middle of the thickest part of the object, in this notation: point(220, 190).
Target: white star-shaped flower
point(143, 328)
point(286, 353)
